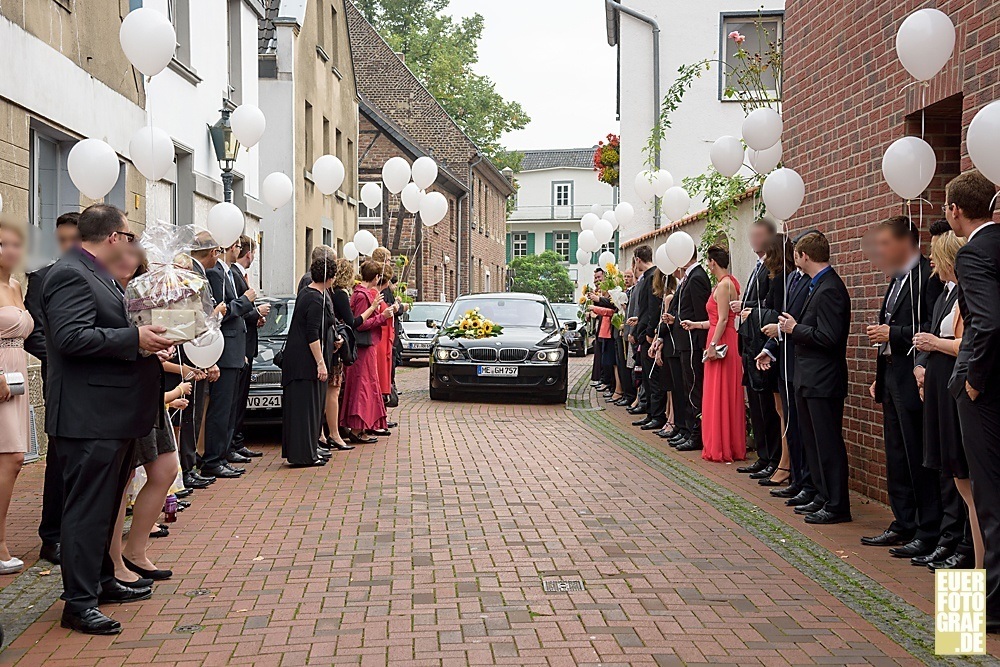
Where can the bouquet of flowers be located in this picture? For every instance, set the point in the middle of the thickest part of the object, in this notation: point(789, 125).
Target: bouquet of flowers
point(169, 295)
point(607, 158)
point(473, 326)
point(613, 279)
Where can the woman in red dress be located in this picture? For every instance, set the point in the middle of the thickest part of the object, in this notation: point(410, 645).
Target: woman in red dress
point(363, 408)
point(723, 427)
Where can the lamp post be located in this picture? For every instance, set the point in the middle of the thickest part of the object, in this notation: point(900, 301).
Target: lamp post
point(226, 149)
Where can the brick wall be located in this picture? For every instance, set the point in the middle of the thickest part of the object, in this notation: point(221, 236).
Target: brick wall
point(845, 101)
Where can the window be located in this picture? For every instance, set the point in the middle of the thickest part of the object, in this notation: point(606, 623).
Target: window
point(351, 160)
point(184, 188)
point(762, 33)
point(308, 133)
point(179, 13)
point(611, 246)
point(321, 32)
point(561, 245)
point(369, 216)
point(334, 35)
point(309, 246)
point(235, 34)
point(326, 136)
point(328, 238)
point(562, 194)
point(519, 244)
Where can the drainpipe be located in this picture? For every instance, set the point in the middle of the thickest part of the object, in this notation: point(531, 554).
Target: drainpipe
point(458, 248)
point(472, 213)
point(651, 22)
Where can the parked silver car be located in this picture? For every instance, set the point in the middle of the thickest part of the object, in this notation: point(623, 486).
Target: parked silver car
point(417, 336)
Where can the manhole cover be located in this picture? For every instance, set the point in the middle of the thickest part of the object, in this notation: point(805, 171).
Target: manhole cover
point(198, 592)
point(188, 629)
point(571, 586)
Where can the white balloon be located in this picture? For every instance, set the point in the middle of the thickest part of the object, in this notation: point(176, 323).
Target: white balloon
point(425, 172)
point(371, 195)
point(762, 128)
point(612, 218)
point(365, 242)
point(588, 242)
point(925, 42)
point(624, 213)
point(93, 167)
point(1, 203)
point(226, 223)
point(148, 40)
point(276, 190)
point(597, 210)
point(248, 124)
point(606, 257)
point(395, 174)
point(603, 231)
point(983, 140)
point(676, 203)
point(644, 186)
point(433, 208)
point(350, 251)
point(589, 220)
point(764, 162)
point(662, 181)
point(328, 173)
point(679, 248)
point(662, 260)
point(727, 155)
point(205, 351)
point(411, 197)
point(783, 193)
point(583, 257)
point(908, 166)
point(152, 152)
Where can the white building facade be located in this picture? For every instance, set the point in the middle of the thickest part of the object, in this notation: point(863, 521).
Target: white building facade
point(555, 189)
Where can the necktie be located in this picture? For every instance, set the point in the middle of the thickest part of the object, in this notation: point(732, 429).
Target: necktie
point(894, 290)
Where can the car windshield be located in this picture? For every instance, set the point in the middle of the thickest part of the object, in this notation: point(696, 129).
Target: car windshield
point(278, 320)
point(566, 312)
point(506, 312)
point(421, 312)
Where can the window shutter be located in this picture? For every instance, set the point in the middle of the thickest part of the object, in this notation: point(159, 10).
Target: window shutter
point(548, 241)
point(594, 257)
point(572, 247)
point(510, 247)
point(531, 243)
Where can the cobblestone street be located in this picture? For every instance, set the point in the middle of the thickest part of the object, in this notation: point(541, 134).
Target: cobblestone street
point(432, 547)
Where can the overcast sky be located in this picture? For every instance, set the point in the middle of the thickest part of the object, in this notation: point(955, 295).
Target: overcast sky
point(553, 57)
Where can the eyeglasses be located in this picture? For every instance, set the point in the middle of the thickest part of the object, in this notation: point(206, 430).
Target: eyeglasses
point(129, 236)
point(946, 208)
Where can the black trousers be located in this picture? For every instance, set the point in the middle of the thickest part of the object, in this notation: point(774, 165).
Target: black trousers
point(52, 492)
point(609, 362)
point(766, 425)
point(692, 381)
point(95, 473)
point(656, 395)
point(821, 423)
point(955, 529)
point(801, 478)
point(219, 418)
point(628, 387)
point(595, 374)
point(913, 489)
point(240, 409)
point(191, 420)
point(980, 421)
point(678, 397)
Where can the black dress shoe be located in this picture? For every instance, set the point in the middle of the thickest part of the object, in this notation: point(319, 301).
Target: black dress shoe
point(224, 472)
point(653, 425)
point(315, 464)
point(678, 438)
point(638, 410)
point(787, 492)
point(939, 554)
point(249, 453)
point(193, 483)
point(673, 432)
point(756, 466)
point(641, 422)
point(812, 507)
point(621, 402)
point(801, 498)
point(90, 622)
point(183, 493)
point(391, 424)
point(382, 432)
point(825, 516)
point(155, 575)
point(888, 538)
point(689, 446)
point(913, 548)
point(51, 552)
point(203, 478)
point(956, 561)
point(763, 473)
point(116, 593)
point(236, 457)
point(662, 433)
point(141, 582)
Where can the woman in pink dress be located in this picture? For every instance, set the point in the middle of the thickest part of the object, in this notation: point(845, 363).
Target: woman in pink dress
point(723, 427)
point(15, 325)
point(362, 408)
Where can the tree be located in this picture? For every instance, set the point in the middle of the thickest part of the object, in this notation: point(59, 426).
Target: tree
point(441, 52)
point(542, 274)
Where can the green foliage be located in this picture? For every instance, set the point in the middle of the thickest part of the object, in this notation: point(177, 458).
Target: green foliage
point(721, 196)
point(442, 51)
point(747, 78)
point(686, 74)
point(542, 274)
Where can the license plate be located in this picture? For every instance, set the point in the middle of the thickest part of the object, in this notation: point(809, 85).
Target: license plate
point(263, 402)
point(497, 371)
point(420, 346)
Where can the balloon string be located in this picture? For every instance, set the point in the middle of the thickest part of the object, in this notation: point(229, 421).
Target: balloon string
point(152, 151)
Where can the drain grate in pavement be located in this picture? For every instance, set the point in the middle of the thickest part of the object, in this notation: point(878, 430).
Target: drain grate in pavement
point(568, 586)
point(198, 592)
point(188, 629)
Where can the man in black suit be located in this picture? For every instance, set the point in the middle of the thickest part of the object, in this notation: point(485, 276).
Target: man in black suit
point(104, 392)
point(648, 307)
point(220, 418)
point(691, 298)
point(239, 453)
point(67, 236)
point(906, 310)
point(969, 208)
point(820, 338)
point(669, 356)
point(760, 384)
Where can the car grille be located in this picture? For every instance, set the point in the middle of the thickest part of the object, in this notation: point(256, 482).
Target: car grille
point(423, 336)
point(265, 378)
point(514, 354)
point(504, 355)
point(483, 354)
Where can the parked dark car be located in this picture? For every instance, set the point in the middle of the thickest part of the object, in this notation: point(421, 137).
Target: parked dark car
point(417, 336)
point(528, 358)
point(579, 341)
point(264, 403)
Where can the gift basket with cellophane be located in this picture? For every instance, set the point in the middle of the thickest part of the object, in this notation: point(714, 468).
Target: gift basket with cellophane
point(171, 295)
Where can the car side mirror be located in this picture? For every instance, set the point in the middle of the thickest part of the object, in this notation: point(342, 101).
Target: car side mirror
point(431, 324)
point(571, 326)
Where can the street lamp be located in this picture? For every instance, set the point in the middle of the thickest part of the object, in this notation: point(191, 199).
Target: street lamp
point(226, 149)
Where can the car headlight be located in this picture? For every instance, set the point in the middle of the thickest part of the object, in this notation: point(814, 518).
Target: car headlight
point(442, 353)
point(551, 356)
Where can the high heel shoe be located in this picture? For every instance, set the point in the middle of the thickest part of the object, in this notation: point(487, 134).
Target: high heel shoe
point(770, 481)
point(612, 399)
point(360, 440)
point(155, 575)
point(341, 447)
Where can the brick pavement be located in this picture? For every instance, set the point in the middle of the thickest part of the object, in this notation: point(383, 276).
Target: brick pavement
point(431, 548)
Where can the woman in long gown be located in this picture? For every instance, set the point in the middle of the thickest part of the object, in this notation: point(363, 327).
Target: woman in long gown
point(723, 427)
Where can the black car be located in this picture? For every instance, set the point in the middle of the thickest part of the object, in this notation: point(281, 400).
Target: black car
point(579, 341)
point(264, 403)
point(528, 358)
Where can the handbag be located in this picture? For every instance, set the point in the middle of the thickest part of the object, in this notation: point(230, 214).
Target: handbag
point(15, 382)
point(348, 352)
point(363, 338)
point(279, 356)
point(392, 398)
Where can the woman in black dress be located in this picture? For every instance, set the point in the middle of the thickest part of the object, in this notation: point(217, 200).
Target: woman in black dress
point(304, 371)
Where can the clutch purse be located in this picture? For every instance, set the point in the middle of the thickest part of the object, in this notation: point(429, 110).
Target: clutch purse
point(15, 382)
point(719, 349)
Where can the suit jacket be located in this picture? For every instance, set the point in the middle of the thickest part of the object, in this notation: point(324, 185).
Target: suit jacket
point(251, 318)
point(35, 342)
point(648, 308)
point(99, 385)
point(784, 351)
point(690, 303)
point(820, 338)
point(944, 305)
point(234, 328)
point(978, 271)
point(901, 329)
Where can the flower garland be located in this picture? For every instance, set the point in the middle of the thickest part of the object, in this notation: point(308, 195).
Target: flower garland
point(473, 326)
point(607, 158)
